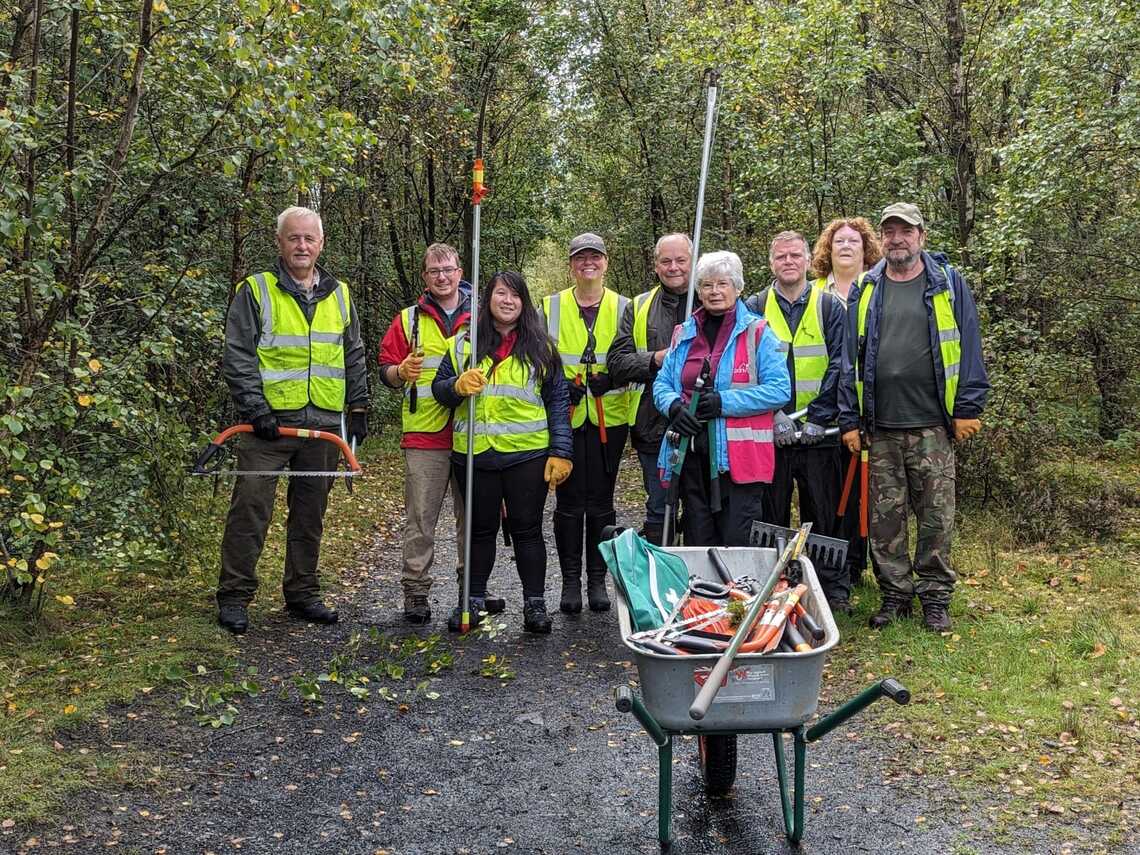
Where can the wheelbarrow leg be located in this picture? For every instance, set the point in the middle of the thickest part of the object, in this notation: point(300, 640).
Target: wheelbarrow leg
point(794, 812)
point(665, 792)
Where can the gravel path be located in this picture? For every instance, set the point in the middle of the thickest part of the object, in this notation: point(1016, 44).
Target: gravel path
point(537, 762)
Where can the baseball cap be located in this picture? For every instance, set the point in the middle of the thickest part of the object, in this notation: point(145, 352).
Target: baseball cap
point(904, 211)
point(585, 241)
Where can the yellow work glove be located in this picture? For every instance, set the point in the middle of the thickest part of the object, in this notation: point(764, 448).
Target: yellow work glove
point(965, 428)
point(470, 382)
point(851, 440)
point(557, 470)
point(410, 369)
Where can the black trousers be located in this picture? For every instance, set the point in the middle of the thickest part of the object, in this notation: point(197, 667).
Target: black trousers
point(590, 488)
point(740, 504)
point(523, 489)
point(817, 474)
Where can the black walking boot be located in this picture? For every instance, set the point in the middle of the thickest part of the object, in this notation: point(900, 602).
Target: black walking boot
point(595, 564)
point(535, 618)
point(892, 609)
point(568, 539)
point(936, 617)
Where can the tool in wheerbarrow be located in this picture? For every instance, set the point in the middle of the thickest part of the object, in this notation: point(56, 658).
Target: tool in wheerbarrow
point(212, 457)
point(774, 692)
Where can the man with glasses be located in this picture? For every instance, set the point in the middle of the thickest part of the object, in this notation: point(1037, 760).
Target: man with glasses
point(809, 323)
point(410, 353)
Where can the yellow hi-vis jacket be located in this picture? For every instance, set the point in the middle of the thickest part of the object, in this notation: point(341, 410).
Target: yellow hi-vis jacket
point(809, 347)
point(300, 362)
point(565, 325)
point(509, 412)
point(430, 416)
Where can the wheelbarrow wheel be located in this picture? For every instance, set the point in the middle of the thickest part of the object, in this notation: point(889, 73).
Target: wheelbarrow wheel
point(718, 763)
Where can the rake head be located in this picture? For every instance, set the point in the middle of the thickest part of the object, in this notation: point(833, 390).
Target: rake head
point(823, 551)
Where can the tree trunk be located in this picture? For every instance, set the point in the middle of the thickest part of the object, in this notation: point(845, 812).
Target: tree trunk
point(959, 139)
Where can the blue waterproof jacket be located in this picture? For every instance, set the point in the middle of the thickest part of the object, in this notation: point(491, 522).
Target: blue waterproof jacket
point(973, 384)
point(771, 393)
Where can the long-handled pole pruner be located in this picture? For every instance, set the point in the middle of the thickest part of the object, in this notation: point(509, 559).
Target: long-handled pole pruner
point(713, 77)
point(478, 191)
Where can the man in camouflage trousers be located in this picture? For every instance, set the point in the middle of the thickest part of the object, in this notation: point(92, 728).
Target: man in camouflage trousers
point(913, 384)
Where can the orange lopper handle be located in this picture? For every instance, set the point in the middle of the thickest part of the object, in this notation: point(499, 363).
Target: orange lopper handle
point(305, 433)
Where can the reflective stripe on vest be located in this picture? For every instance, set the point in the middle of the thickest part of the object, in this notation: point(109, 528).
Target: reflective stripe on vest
point(949, 342)
point(565, 325)
point(300, 361)
point(509, 412)
point(642, 304)
point(430, 415)
point(809, 347)
point(751, 454)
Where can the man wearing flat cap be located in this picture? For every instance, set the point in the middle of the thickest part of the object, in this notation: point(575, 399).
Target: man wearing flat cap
point(913, 385)
point(583, 321)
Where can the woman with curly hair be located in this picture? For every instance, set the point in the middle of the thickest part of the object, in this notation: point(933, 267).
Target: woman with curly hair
point(844, 251)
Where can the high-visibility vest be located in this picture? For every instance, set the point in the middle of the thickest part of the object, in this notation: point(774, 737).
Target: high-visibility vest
point(949, 341)
point(430, 416)
point(300, 361)
point(509, 412)
point(809, 347)
point(565, 326)
point(642, 304)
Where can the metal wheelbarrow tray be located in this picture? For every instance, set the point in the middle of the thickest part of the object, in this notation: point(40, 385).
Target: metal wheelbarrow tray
point(772, 693)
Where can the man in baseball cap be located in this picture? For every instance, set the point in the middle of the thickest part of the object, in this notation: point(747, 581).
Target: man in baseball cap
point(913, 385)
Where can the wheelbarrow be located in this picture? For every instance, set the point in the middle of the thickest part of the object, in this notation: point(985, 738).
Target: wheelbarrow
point(775, 693)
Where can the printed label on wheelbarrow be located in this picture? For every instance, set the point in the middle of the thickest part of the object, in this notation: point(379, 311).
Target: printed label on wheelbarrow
point(743, 684)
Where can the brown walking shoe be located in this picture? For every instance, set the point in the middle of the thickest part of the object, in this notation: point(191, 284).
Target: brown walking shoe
point(416, 609)
point(936, 617)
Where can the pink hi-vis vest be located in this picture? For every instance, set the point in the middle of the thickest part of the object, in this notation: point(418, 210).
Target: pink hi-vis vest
point(751, 453)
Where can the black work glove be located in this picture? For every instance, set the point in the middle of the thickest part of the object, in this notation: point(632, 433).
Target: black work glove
point(682, 421)
point(577, 393)
point(265, 427)
point(358, 425)
point(600, 384)
point(784, 429)
point(708, 405)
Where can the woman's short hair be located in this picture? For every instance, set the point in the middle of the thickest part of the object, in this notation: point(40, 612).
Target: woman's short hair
point(721, 263)
point(821, 255)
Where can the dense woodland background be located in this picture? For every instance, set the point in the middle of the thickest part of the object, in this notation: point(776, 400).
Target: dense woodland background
point(146, 146)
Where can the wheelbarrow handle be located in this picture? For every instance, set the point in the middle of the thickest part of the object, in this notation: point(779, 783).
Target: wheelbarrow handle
point(215, 446)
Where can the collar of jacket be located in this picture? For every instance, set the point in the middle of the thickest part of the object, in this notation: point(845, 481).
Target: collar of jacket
point(740, 322)
point(326, 282)
point(428, 304)
point(932, 262)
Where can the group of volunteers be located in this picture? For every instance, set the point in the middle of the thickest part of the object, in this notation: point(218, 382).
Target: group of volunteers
point(730, 409)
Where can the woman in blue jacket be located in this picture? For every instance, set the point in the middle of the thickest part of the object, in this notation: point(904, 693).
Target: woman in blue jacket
point(522, 439)
point(744, 377)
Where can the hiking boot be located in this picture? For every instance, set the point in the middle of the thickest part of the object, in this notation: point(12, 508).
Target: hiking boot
point(936, 617)
point(840, 606)
point(889, 611)
point(314, 612)
point(535, 618)
point(233, 617)
point(477, 607)
point(416, 609)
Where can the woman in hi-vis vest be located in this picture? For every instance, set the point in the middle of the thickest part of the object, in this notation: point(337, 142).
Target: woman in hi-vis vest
point(734, 365)
point(522, 439)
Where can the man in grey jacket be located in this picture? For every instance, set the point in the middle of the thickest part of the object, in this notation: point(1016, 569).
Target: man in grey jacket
point(293, 358)
point(636, 354)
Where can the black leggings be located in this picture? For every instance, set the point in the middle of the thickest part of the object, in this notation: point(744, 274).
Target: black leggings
point(523, 489)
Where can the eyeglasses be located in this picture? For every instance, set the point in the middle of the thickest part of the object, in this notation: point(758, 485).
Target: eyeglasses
point(433, 272)
point(716, 286)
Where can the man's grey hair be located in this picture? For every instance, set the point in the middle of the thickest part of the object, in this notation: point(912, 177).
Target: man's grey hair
point(721, 263)
point(784, 237)
point(297, 211)
point(661, 240)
